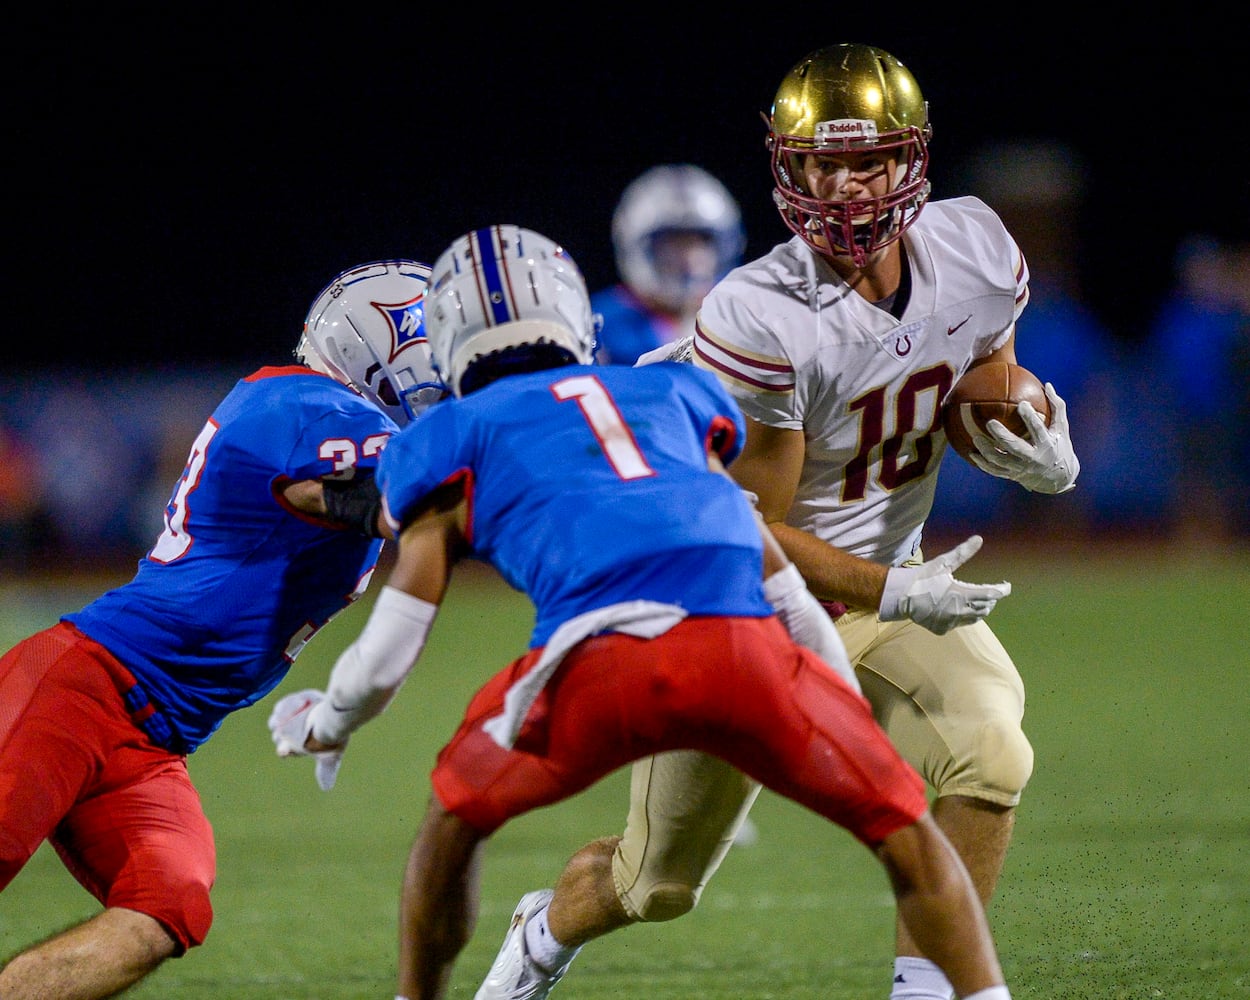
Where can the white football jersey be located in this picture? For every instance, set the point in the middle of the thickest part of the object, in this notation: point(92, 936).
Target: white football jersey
point(798, 349)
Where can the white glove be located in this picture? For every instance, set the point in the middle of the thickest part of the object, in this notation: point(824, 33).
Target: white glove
point(679, 350)
point(290, 722)
point(1045, 464)
point(807, 622)
point(930, 595)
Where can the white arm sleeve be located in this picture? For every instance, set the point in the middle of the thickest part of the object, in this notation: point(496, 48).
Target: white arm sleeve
point(372, 669)
point(807, 622)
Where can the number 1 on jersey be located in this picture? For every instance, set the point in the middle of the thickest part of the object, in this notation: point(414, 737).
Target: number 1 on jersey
point(606, 423)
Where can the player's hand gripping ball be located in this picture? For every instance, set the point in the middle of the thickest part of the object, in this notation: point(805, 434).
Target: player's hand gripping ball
point(991, 391)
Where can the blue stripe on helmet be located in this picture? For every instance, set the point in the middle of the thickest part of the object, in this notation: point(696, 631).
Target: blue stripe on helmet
point(496, 296)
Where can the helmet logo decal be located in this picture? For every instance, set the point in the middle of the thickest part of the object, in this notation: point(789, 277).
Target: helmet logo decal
point(407, 323)
point(864, 129)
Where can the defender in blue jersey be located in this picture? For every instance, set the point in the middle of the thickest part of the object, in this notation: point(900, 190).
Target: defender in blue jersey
point(271, 530)
point(600, 491)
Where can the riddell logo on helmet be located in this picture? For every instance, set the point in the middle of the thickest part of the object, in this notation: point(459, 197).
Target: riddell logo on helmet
point(847, 128)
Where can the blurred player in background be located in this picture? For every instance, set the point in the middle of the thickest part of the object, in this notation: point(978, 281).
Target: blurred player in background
point(599, 491)
point(675, 232)
point(840, 345)
point(1205, 314)
point(272, 529)
point(1039, 188)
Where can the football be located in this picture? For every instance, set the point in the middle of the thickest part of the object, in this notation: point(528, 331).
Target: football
point(991, 391)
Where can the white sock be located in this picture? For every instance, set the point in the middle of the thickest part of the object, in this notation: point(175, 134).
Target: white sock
point(992, 993)
point(542, 945)
point(920, 979)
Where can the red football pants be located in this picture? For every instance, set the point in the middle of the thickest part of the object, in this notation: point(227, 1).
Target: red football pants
point(120, 811)
point(737, 688)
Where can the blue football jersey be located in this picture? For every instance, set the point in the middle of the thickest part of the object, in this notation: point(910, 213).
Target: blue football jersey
point(589, 485)
point(630, 329)
point(237, 582)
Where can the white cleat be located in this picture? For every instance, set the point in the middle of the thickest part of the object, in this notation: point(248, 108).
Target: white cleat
point(514, 975)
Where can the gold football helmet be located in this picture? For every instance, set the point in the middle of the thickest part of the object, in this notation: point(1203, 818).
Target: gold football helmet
point(840, 99)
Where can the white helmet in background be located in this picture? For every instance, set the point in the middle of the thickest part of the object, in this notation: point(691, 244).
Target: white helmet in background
point(366, 329)
point(675, 199)
point(505, 300)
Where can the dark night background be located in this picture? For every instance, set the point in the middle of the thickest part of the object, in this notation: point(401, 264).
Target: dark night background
point(184, 185)
point(183, 181)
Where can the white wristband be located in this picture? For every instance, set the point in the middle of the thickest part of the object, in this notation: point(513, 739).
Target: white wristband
point(897, 582)
point(371, 670)
point(779, 586)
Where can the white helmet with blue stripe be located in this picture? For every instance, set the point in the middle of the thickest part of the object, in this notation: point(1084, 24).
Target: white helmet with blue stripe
point(505, 300)
point(366, 329)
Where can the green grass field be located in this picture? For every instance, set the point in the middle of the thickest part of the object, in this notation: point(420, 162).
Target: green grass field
point(1129, 877)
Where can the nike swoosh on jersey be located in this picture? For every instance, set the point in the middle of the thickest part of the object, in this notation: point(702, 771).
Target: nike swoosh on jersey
point(950, 330)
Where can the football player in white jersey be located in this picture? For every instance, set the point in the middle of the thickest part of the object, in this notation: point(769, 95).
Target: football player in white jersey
point(840, 345)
